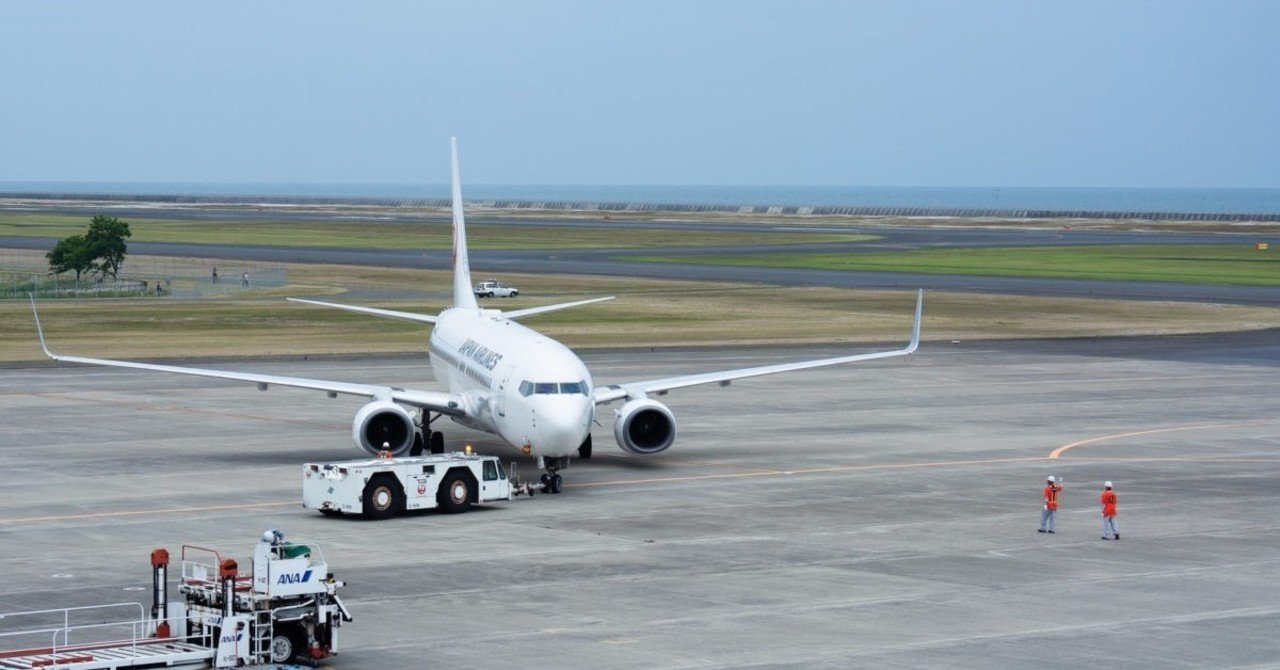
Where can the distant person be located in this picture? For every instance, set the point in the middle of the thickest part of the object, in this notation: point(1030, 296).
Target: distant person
point(244, 279)
point(1049, 515)
point(159, 287)
point(1108, 500)
point(215, 275)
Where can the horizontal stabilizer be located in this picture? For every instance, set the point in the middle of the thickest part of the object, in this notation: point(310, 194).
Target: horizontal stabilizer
point(389, 313)
point(530, 311)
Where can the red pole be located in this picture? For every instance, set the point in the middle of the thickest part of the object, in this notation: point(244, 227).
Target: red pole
point(160, 591)
point(227, 572)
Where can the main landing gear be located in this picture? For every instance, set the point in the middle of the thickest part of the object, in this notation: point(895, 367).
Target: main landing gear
point(426, 439)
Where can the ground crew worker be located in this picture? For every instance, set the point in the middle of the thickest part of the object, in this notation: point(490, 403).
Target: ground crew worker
point(1049, 515)
point(1108, 500)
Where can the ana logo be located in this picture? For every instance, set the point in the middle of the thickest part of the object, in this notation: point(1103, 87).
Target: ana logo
point(294, 577)
point(232, 638)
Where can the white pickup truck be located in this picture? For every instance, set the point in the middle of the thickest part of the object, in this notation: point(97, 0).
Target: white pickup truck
point(382, 487)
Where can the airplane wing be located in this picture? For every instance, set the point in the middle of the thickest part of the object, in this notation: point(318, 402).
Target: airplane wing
point(606, 394)
point(444, 403)
point(406, 316)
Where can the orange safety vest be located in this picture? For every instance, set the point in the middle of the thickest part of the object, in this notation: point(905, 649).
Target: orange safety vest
point(1108, 500)
point(1051, 495)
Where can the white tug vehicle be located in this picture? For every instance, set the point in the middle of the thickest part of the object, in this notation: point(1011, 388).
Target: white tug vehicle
point(381, 487)
point(286, 610)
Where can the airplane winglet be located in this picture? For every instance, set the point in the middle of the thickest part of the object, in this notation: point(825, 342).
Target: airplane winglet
point(39, 330)
point(915, 330)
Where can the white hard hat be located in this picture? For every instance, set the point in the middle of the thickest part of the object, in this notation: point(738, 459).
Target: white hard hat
point(1106, 484)
point(1050, 478)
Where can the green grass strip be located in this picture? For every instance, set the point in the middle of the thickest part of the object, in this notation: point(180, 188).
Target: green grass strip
point(1197, 264)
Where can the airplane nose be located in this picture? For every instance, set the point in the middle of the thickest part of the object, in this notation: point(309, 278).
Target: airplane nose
point(565, 425)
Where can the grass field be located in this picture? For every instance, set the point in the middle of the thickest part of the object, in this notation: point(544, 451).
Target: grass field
point(647, 313)
point(1204, 264)
point(398, 235)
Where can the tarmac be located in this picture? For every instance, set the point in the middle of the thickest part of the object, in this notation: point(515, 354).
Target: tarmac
point(873, 515)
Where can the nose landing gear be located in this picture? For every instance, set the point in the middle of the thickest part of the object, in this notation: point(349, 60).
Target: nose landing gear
point(552, 482)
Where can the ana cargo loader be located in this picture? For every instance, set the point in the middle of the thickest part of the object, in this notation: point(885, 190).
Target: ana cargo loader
point(287, 609)
point(381, 487)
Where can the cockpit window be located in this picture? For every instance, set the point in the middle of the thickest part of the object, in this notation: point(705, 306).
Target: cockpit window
point(550, 388)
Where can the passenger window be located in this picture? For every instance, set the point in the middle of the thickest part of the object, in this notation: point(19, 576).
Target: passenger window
point(526, 388)
point(490, 471)
point(502, 472)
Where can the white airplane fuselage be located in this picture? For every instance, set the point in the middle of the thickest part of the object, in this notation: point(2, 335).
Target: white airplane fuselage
point(519, 384)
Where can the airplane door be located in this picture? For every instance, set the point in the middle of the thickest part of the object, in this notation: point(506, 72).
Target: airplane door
point(500, 403)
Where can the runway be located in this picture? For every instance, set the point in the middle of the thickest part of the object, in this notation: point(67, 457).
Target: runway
point(880, 515)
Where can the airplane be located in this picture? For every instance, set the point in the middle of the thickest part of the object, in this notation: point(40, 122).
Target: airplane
point(502, 378)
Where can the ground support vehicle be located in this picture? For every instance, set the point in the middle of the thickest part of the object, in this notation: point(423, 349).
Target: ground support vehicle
point(381, 487)
point(492, 288)
point(287, 609)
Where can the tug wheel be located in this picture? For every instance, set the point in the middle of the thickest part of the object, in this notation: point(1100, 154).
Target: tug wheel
point(455, 493)
point(382, 497)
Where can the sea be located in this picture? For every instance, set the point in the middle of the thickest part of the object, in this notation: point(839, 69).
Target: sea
point(1189, 200)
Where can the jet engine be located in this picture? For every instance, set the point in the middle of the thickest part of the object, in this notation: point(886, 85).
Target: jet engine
point(644, 427)
point(384, 422)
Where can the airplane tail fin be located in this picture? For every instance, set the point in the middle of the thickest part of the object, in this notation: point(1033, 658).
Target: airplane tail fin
point(463, 296)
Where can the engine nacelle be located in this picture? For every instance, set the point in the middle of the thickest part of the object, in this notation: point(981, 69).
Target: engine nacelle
point(644, 427)
point(384, 422)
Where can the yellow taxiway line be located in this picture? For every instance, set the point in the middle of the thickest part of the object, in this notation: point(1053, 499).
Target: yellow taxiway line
point(1155, 431)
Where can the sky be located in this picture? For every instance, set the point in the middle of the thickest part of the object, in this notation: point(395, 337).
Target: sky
point(1110, 93)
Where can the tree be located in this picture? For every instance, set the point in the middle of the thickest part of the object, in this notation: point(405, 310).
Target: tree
point(106, 242)
point(72, 253)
